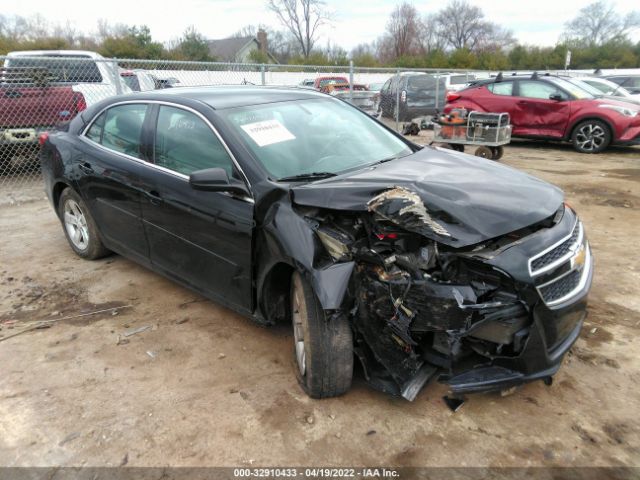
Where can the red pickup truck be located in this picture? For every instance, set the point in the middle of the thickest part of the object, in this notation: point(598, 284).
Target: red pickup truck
point(28, 108)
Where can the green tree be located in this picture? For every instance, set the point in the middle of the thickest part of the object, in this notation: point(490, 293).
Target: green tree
point(192, 46)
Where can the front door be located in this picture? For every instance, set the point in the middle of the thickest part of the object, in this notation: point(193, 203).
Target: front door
point(202, 238)
point(537, 114)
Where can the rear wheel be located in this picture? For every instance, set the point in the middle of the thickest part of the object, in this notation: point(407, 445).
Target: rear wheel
point(323, 346)
point(591, 136)
point(79, 227)
point(497, 152)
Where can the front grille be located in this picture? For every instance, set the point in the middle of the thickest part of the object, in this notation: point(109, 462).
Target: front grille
point(558, 253)
point(562, 287)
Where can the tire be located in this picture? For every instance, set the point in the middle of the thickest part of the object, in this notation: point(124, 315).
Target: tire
point(497, 153)
point(458, 147)
point(323, 347)
point(591, 136)
point(79, 227)
point(483, 152)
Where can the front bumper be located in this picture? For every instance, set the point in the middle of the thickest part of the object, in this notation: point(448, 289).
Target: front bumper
point(557, 316)
point(537, 362)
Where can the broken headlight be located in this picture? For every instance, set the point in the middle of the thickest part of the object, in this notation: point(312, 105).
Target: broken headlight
point(336, 243)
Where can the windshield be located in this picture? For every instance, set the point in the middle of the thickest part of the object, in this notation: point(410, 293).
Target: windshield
point(321, 135)
point(578, 91)
point(608, 88)
point(587, 87)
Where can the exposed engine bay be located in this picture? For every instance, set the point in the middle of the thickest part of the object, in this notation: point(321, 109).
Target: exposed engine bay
point(416, 305)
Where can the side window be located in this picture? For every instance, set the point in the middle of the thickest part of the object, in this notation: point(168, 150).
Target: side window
point(95, 132)
point(501, 88)
point(386, 86)
point(541, 90)
point(184, 143)
point(122, 127)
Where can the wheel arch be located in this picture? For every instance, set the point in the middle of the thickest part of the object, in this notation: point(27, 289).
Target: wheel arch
point(56, 192)
point(577, 122)
point(274, 292)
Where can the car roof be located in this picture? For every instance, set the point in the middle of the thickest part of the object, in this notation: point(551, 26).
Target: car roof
point(231, 96)
point(54, 53)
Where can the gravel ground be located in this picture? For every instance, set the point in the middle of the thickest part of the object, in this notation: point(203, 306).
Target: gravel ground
point(202, 386)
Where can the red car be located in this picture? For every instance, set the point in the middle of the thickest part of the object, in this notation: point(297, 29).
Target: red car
point(324, 81)
point(549, 107)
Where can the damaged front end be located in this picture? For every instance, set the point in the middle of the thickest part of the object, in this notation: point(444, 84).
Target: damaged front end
point(486, 316)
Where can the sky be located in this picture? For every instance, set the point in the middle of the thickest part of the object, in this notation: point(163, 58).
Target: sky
point(357, 21)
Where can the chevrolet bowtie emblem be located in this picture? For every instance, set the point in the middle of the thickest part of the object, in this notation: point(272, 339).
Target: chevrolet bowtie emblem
point(580, 257)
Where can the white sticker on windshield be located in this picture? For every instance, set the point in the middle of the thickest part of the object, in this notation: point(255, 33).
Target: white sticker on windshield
point(268, 132)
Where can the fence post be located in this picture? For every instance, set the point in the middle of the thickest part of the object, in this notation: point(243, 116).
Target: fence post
point(437, 89)
point(262, 74)
point(397, 109)
point(117, 79)
point(351, 80)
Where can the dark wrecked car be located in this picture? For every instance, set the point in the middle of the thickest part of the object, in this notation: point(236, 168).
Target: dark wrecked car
point(290, 205)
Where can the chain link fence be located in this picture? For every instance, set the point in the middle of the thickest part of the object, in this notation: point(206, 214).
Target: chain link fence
point(37, 93)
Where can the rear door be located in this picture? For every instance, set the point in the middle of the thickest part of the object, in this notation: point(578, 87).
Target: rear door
point(203, 239)
point(536, 114)
point(495, 97)
point(109, 165)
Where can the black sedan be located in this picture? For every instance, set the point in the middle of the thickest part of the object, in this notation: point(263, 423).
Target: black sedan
point(290, 205)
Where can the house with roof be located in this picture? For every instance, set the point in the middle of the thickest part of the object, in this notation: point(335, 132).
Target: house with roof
point(238, 49)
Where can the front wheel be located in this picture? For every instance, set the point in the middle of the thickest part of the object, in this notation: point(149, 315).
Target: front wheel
point(591, 136)
point(79, 227)
point(323, 345)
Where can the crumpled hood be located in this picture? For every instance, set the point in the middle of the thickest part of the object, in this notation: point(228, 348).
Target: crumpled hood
point(473, 199)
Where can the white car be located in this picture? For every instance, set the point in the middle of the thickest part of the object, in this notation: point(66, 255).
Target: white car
point(88, 73)
point(612, 89)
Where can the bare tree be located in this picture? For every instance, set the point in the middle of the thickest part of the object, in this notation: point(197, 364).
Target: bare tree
point(403, 29)
point(302, 18)
point(430, 37)
point(599, 23)
point(462, 25)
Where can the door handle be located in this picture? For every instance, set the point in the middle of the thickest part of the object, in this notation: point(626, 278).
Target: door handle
point(154, 197)
point(522, 102)
point(86, 167)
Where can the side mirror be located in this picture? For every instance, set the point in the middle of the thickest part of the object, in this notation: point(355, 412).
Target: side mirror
point(216, 180)
point(555, 96)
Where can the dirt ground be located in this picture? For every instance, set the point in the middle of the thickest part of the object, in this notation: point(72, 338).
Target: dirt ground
point(203, 386)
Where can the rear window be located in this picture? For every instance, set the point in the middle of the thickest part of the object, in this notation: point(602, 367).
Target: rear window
point(60, 70)
point(423, 82)
point(131, 81)
point(332, 81)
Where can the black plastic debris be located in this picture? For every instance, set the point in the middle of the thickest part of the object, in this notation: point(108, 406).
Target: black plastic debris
point(454, 403)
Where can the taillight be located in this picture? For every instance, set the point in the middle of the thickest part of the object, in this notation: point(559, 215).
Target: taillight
point(43, 138)
point(386, 236)
point(81, 103)
point(403, 96)
point(452, 96)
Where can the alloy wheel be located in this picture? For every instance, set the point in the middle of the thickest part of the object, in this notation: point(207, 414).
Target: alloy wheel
point(76, 224)
point(298, 310)
point(590, 137)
